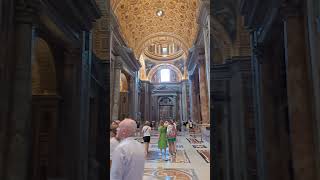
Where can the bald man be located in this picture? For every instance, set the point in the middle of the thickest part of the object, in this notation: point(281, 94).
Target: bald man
point(128, 157)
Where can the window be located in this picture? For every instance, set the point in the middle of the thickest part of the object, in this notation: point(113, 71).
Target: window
point(165, 75)
point(164, 51)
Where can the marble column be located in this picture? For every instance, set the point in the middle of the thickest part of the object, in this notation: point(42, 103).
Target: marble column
point(147, 105)
point(299, 100)
point(136, 96)
point(206, 36)
point(184, 100)
point(159, 49)
point(179, 102)
point(69, 136)
point(133, 109)
point(116, 88)
point(195, 97)
point(18, 145)
point(257, 104)
point(203, 89)
point(191, 98)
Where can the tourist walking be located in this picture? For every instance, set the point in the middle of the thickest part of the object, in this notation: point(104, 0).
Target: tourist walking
point(175, 142)
point(128, 157)
point(187, 127)
point(146, 131)
point(162, 142)
point(171, 134)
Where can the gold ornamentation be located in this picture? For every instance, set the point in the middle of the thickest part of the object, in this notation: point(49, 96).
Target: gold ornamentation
point(139, 19)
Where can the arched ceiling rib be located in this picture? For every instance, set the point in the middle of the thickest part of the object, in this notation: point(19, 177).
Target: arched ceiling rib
point(138, 20)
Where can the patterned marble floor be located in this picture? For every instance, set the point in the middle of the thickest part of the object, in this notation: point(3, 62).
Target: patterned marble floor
point(191, 162)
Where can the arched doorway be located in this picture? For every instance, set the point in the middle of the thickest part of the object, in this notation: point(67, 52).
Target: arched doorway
point(44, 112)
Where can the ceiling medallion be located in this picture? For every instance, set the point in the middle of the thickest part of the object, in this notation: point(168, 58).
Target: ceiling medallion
point(159, 13)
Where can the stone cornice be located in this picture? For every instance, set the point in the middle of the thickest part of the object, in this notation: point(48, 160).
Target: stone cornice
point(204, 13)
point(201, 21)
point(131, 60)
point(120, 47)
point(114, 25)
point(50, 20)
point(193, 59)
point(256, 12)
point(26, 12)
point(80, 15)
point(126, 54)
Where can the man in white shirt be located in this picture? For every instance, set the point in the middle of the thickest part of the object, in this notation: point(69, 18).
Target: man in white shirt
point(128, 158)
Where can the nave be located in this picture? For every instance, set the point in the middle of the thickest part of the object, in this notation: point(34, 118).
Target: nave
point(192, 161)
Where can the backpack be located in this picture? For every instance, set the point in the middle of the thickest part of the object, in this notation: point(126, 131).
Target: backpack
point(173, 132)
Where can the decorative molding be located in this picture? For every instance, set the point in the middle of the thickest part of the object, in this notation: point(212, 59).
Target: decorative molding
point(179, 18)
point(126, 53)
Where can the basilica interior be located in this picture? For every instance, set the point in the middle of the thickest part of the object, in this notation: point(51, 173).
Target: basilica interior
point(245, 73)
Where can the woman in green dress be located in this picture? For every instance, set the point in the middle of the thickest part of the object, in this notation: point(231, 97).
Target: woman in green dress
point(162, 142)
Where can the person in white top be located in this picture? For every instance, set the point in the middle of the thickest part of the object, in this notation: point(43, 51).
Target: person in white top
point(128, 157)
point(146, 131)
point(175, 142)
point(114, 142)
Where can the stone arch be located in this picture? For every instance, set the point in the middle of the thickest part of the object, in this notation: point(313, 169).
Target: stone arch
point(43, 69)
point(158, 67)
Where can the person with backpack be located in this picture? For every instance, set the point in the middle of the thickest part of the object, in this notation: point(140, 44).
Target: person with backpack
point(171, 134)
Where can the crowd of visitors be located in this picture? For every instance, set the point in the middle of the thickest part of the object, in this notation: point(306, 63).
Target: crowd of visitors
point(127, 155)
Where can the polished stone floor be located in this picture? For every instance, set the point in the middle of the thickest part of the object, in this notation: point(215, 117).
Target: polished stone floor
point(192, 161)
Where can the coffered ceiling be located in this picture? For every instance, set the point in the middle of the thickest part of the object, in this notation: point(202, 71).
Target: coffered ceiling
point(142, 20)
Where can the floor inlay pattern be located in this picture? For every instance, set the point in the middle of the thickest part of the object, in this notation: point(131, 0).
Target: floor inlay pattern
point(199, 146)
point(169, 174)
point(155, 146)
point(189, 164)
point(155, 156)
point(195, 135)
point(193, 141)
point(205, 154)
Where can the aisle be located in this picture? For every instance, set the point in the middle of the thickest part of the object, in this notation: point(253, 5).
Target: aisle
point(191, 162)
